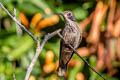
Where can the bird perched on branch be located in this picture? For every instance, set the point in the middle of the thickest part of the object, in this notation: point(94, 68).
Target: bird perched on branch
point(72, 35)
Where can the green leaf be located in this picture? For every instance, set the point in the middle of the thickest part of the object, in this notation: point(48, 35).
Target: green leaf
point(87, 5)
point(92, 61)
point(80, 13)
point(73, 72)
point(30, 9)
point(22, 49)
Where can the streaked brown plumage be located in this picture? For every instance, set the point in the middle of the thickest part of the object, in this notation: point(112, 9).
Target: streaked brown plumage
point(73, 35)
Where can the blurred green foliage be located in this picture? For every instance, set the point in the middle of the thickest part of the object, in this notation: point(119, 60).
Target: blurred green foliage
point(16, 52)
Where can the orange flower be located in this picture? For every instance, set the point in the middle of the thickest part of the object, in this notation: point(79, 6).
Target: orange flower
point(48, 68)
point(42, 24)
point(47, 22)
point(23, 19)
point(99, 14)
point(32, 78)
point(111, 16)
point(116, 30)
point(84, 51)
point(54, 19)
point(80, 76)
point(49, 57)
point(36, 18)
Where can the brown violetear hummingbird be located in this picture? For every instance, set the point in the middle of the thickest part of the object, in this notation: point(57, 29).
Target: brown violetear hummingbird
point(73, 36)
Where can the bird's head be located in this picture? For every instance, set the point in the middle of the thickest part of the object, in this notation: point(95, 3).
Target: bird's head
point(68, 15)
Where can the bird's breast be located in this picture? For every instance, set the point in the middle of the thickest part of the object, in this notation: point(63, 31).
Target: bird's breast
point(72, 35)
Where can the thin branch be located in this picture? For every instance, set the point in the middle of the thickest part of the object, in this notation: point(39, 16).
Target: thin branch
point(80, 56)
point(17, 21)
point(18, 29)
point(38, 51)
point(14, 78)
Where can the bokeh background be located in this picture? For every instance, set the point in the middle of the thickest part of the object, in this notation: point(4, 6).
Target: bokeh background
point(100, 46)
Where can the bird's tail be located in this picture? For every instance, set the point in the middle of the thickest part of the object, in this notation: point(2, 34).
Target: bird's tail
point(62, 70)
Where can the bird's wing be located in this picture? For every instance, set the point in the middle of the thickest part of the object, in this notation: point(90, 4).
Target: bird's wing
point(65, 53)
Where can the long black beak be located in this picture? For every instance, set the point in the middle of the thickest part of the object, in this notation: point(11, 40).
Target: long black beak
point(59, 14)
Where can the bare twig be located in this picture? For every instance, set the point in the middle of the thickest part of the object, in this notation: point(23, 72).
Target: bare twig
point(14, 78)
point(18, 29)
point(16, 21)
point(38, 50)
point(29, 69)
point(80, 56)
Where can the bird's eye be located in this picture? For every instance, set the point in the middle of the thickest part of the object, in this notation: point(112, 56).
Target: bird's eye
point(69, 14)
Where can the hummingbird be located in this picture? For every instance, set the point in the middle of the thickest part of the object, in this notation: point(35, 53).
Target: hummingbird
point(72, 35)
